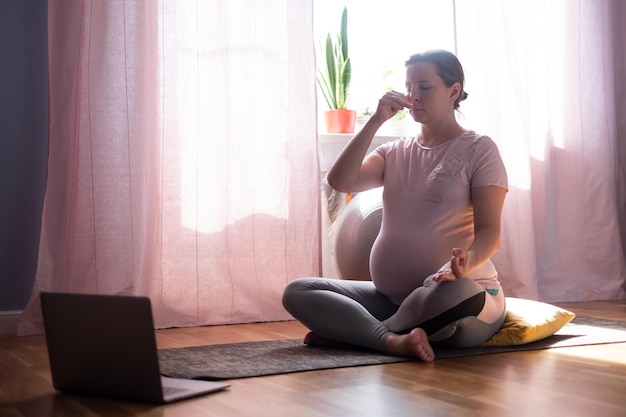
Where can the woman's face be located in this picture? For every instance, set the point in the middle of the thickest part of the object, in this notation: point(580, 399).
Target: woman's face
point(431, 99)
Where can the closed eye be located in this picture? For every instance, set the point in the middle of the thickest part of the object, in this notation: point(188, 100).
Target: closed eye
point(419, 87)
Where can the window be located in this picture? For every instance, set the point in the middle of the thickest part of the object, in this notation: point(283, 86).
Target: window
point(382, 35)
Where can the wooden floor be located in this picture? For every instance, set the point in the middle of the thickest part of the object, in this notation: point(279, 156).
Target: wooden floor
point(579, 381)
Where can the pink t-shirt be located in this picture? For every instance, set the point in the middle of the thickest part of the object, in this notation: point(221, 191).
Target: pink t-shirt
point(427, 209)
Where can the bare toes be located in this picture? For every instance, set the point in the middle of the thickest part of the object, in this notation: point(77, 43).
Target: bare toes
point(418, 341)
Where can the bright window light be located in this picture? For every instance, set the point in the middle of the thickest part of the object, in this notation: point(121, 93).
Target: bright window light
point(382, 35)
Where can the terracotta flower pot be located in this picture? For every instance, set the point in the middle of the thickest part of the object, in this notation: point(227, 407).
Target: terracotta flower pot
point(340, 120)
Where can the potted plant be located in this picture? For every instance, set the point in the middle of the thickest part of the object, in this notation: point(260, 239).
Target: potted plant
point(334, 80)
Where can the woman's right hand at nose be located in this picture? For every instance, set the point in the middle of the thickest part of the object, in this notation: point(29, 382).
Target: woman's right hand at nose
point(390, 104)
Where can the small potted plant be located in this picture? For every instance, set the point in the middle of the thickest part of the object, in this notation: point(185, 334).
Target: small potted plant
point(334, 80)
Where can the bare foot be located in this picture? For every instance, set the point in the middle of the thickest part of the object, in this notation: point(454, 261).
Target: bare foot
point(414, 344)
point(314, 339)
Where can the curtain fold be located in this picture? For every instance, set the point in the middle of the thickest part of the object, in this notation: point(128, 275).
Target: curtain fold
point(619, 69)
point(183, 157)
point(549, 77)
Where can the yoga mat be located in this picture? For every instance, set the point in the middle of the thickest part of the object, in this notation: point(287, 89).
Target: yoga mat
point(250, 359)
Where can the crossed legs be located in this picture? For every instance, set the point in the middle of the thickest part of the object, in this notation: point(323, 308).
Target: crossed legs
point(354, 312)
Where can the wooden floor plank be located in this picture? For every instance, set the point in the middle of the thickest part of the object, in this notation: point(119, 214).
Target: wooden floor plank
point(576, 381)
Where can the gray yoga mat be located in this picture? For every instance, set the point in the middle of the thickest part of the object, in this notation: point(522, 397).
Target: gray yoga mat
point(250, 359)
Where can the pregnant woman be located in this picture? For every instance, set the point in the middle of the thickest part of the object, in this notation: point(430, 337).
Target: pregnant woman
point(444, 188)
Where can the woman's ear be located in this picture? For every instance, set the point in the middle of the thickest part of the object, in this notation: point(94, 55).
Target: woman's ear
point(455, 90)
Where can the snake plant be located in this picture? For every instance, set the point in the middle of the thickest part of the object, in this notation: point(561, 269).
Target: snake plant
point(334, 78)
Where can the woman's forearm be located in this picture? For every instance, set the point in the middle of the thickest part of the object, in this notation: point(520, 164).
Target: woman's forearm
point(344, 174)
point(486, 243)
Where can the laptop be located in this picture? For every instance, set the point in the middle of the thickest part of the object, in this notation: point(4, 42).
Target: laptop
point(105, 346)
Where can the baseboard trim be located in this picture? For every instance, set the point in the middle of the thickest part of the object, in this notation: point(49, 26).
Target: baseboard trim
point(8, 322)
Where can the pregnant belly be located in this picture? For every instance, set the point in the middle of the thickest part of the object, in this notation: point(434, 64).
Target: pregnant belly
point(400, 264)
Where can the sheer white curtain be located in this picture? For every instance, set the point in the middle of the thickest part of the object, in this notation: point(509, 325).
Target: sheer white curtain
point(183, 156)
point(547, 77)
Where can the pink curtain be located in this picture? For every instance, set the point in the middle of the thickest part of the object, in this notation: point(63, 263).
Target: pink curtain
point(183, 156)
point(183, 159)
point(548, 77)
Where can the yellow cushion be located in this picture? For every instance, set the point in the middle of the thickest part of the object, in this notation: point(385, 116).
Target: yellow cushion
point(528, 321)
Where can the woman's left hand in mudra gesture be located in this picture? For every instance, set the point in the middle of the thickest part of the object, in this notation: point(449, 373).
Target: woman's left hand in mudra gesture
point(455, 269)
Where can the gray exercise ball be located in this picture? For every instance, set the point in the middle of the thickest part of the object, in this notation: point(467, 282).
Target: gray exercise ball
point(356, 229)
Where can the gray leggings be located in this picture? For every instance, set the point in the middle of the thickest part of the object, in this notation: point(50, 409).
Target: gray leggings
point(355, 312)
